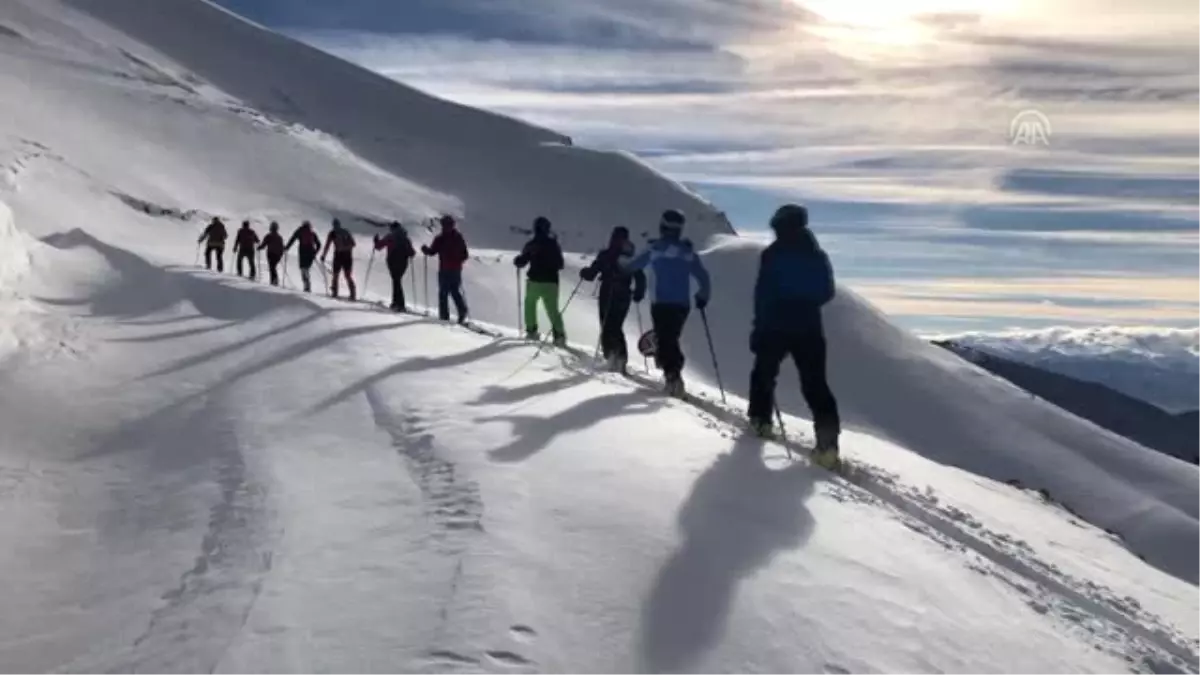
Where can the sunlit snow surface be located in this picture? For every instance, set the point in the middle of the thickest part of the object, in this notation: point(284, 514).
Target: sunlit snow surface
point(203, 473)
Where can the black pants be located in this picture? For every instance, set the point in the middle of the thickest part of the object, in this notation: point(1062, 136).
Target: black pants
point(247, 256)
point(808, 351)
point(614, 307)
point(273, 267)
point(343, 263)
point(450, 286)
point(219, 253)
point(397, 268)
point(668, 327)
point(307, 257)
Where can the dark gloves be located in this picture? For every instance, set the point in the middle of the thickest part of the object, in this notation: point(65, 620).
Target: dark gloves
point(519, 261)
point(701, 301)
point(587, 274)
point(638, 296)
point(426, 250)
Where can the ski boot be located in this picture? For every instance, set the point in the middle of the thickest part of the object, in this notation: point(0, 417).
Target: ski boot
point(763, 429)
point(674, 386)
point(532, 335)
point(616, 364)
point(825, 453)
point(560, 340)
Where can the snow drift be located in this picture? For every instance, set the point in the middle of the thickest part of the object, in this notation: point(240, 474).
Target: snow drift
point(207, 474)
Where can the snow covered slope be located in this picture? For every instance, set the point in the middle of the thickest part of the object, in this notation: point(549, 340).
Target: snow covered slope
point(201, 473)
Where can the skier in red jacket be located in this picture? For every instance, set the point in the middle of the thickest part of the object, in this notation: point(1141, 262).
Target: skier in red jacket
point(399, 251)
point(451, 250)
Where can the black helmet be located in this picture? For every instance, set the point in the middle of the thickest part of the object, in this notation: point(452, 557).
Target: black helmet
point(447, 220)
point(274, 226)
point(672, 219)
point(337, 224)
point(245, 223)
point(541, 225)
point(790, 216)
point(306, 224)
point(395, 225)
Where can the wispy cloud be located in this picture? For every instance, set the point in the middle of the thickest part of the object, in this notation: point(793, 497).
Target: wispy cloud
point(891, 119)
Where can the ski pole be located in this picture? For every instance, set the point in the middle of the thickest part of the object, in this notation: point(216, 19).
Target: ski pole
point(641, 332)
point(713, 351)
point(429, 311)
point(520, 304)
point(257, 263)
point(412, 279)
point(324, 277)
point(603, 323)
point(286, 278)
point(198, 245)
point(782, 431)
point(367, 276)
point(572, 296)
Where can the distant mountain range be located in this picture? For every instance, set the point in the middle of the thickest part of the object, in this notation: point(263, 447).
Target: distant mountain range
point(1175, 434)
point(1154, 364)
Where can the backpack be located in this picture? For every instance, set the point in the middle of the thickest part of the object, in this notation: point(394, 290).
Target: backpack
point(342, 240)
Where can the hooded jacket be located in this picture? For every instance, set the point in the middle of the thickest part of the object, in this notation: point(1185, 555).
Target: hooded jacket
point(609, 266)
point(544, 257)
point(795, 279)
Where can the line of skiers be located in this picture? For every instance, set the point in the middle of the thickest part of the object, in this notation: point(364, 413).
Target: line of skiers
point(795, 279)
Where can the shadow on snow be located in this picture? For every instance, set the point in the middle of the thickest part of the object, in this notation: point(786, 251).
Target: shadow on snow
point(739, 515)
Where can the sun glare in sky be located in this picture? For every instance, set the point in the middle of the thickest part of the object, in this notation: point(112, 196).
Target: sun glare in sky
point(869, 28)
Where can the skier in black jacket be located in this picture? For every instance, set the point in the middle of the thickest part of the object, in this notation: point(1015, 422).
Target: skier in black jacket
point(244, 244)
point(216, 234)
point(309, 244)
point(545, 259)
point(616, 295)
point(273, 243)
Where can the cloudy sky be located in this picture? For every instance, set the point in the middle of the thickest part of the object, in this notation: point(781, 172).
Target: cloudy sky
point(970, 164)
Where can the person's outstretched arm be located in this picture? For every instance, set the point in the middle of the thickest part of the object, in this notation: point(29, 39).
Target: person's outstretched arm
point(639, 285)
point(639, 261)
point(701, 274)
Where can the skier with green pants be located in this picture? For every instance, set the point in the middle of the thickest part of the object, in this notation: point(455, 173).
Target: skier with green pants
point(544, 257)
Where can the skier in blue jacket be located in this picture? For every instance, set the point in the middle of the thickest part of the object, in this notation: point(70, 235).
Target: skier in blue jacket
point(795, 279)
point(674, 263)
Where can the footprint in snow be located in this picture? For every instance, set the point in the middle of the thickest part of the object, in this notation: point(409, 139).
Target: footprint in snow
point(523, 633)
point(507, 658)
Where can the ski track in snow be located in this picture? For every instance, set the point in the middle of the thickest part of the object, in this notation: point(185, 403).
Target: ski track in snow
point(208, 608)
point(1110, 622)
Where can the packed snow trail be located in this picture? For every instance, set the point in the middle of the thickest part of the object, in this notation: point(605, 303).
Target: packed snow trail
point(347, 448)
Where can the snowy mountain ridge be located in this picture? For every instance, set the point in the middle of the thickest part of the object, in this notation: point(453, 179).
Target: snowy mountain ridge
point(204, 473)
point(1158, 365)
